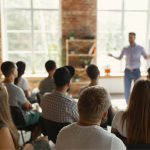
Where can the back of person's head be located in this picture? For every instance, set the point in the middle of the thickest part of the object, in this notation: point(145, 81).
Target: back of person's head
point(71, 70)
point(50, 65)
point(7, 68)
point(62, 77)
point(93, 72)
point(5, 115)
point(21, 66)
point(137, 114)
point(93, 102)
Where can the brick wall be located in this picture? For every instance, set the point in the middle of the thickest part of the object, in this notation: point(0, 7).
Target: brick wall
point(0, 45)
point(78, 16)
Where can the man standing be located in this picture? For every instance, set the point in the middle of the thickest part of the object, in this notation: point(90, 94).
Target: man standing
point(133, 54)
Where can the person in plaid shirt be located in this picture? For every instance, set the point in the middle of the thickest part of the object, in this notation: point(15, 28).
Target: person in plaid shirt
point(58, 106)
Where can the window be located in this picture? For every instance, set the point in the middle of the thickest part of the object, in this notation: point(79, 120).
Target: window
point(32, 32)
point(115, 19)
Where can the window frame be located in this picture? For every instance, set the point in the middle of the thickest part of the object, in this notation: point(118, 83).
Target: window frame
point(6, 51)
point(123, 11)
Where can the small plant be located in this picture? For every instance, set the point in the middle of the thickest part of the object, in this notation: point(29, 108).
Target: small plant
point(72, 35)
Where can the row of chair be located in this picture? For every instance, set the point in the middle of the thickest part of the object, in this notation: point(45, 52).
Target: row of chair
point(48, 128)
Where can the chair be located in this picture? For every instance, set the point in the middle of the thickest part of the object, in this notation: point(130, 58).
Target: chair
point(39, 96)
point(138, 147)
point(132, 146)
point(51, 128)
point(19, 121)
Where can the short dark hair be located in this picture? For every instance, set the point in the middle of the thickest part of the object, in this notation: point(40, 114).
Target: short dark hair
point(7, 67)
point(71, 70)
point(21, 66)
point(50, 65)
point(132, 33)
point(148, 71)
point(62, 77)
point(92, 71)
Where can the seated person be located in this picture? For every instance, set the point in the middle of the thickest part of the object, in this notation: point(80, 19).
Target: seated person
point(134, 123)
point(16, 94)
point(72, 73)
point(58, 106)
point(71, 70)
point(93, 105)
point(93, 73)
point(21, 81)
point(47, 85)
point(9, 137)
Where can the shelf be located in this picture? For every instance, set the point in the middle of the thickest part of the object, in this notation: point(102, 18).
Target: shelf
point(78, 53)
point(80, 69)
point(80, 40)
point(81, 55)
point(82, 82)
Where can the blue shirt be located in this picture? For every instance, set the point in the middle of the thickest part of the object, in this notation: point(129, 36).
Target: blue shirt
point(133, 56)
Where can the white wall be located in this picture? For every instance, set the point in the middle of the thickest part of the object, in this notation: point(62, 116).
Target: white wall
point(113, 85)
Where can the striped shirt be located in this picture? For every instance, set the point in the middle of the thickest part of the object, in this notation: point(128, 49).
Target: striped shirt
point(47, 85)
point(59, 107)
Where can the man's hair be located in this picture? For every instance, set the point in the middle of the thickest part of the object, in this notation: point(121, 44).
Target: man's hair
point(148, 71)
point(62, 77)
point(71, 70)
point(7, 68)
point(93, 102)
point(92, 72)
point(21, 66)
point(132, 33)
point(50, 65)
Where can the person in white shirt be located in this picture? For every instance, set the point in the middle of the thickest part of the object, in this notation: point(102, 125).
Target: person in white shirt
point(93, 105)
point(21, 81)
point(133, 123)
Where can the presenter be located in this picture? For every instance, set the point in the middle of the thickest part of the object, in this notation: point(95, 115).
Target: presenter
point(133, 54)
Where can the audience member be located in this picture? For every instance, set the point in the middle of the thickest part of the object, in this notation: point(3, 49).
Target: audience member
point(71, 70)
point(16, 94)
point(21, 81)
point(9, 137)
point(8, 133)
point(93, 105)
point(93, 73)
point(134, 123)
point(47, 85)
point(72, 73)
point(57, 106)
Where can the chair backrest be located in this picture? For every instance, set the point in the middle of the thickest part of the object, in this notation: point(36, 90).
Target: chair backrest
point(51, 128)
point(39, 96)
point(138, 147)
point(17, 116)
point(132, 146)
